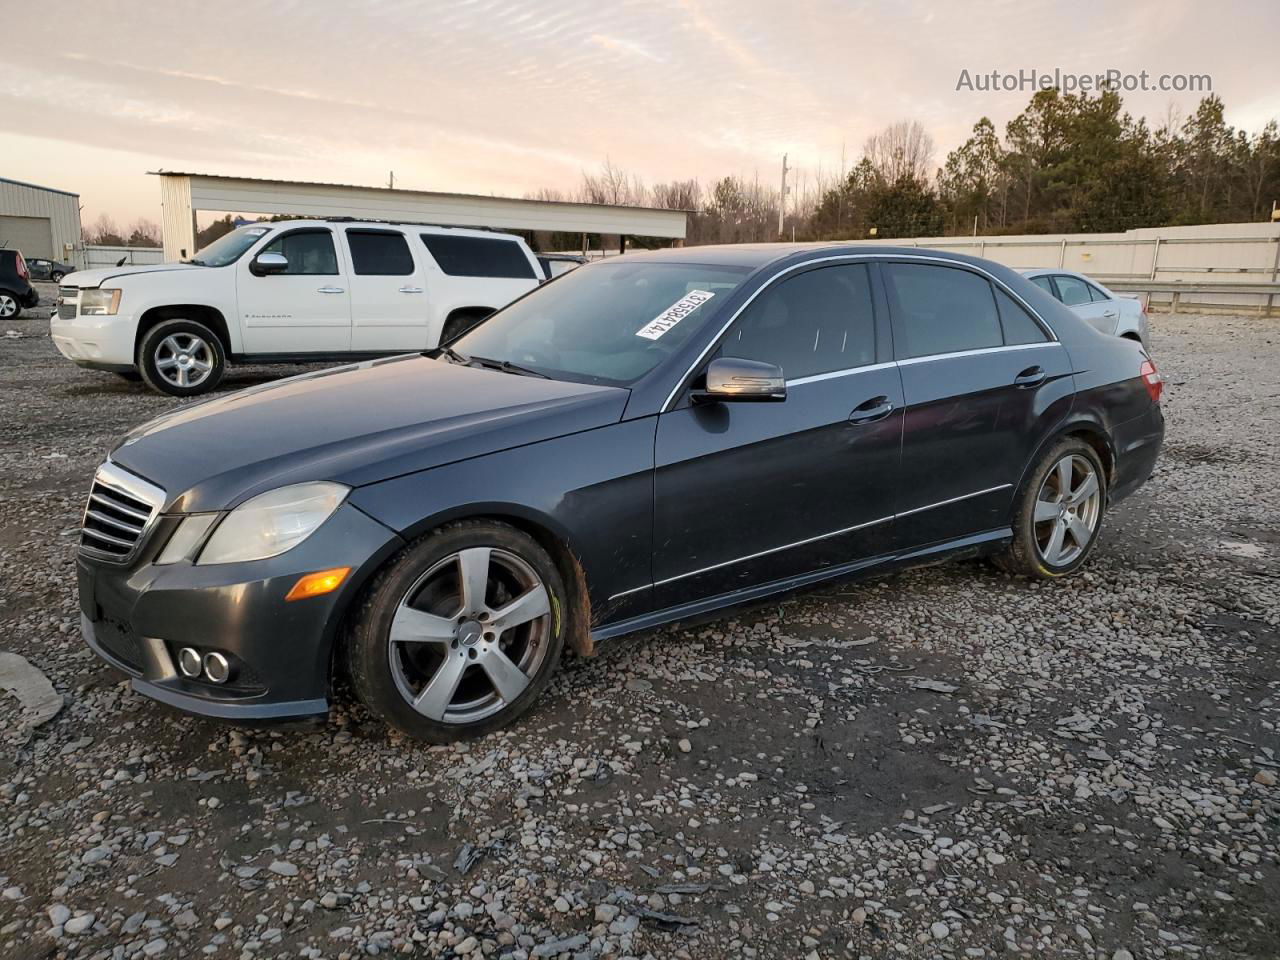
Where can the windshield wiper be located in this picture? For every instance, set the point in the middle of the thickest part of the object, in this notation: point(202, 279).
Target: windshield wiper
point(197, 263)
point(454, 355)
point(506, 366)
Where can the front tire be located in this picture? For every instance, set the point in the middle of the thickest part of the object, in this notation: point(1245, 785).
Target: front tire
point(181, 358)
point(1058, 513)
point(461, 632)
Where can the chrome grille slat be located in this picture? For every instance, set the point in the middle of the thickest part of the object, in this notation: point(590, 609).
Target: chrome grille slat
point(119, 513)
point(66, 311)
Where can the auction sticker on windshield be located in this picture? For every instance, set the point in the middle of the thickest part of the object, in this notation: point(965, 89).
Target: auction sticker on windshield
point(669, 317)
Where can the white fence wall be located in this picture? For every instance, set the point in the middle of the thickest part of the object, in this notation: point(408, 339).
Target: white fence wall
point(98, 256)
point(1243, 253)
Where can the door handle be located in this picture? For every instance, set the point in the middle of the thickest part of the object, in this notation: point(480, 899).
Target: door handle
point(411, 290)
point(330, 290)
point(1031, 377)
point(877, 408)
point(1109, 314)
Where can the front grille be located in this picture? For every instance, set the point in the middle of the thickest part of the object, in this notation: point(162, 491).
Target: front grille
point(66, 311)
point(69, 293)
point(118, 514)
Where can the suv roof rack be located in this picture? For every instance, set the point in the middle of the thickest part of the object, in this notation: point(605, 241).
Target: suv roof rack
point(405, 223)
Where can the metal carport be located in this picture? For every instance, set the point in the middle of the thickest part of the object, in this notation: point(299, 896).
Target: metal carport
point(182, 194)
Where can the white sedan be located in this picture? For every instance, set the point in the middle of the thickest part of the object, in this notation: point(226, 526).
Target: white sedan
point(1107, 311)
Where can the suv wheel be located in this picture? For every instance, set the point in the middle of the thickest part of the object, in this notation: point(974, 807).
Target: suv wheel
point(9, 307)
point(1058, 514)
point(460, 634)
point(181, 358)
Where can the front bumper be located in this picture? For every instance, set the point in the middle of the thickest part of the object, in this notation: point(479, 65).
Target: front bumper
point(101, 343)
point(137, 616)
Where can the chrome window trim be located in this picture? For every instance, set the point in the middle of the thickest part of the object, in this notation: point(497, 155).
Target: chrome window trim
point(853, 258)
point(847, 371)
point(116, 478)
point(978, 352)
point(821, 536)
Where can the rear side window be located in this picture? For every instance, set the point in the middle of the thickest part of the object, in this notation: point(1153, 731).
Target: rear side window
point(1045, 284)
point(460, 256)
point(1098, 295)
point(818, 322)
point(309, 252)
point(1019, 326)
point(378, 253)
point(940, 310)
point(1072, 292)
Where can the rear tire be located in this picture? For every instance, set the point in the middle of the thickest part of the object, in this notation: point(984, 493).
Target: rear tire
point(10, 308)
point(460, 633)
point(1058, 513)
point(181, 358)
point(56, 276)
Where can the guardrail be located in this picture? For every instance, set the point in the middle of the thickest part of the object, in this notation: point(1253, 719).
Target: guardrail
point(1176, 288)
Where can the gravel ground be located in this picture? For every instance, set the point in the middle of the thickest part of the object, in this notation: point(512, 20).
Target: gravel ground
point(941, 763)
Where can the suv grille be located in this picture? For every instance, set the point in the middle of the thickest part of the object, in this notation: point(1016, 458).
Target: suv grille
point(66, 311)
point(71, 293)
point(118, 514)
point(68, 302)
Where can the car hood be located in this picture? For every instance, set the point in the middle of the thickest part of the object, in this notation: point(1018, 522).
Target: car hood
point(356, 424)
point(95, 278)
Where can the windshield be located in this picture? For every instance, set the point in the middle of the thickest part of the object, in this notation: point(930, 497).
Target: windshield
point(605, 323)
point(228, 247)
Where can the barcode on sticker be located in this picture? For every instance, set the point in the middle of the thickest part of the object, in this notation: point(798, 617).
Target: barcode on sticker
point(669, 317)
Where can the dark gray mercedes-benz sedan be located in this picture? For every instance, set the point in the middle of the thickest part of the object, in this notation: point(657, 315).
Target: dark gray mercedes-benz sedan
point(646, 439)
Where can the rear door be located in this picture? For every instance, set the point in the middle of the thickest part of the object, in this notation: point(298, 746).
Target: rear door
point(306, 308)
point(1087, 301)
point(983, 383)
point(389, 308)
point(750, 493)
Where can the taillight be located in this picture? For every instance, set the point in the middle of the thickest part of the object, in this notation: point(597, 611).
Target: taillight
point(1151, 377)
point(22, 269)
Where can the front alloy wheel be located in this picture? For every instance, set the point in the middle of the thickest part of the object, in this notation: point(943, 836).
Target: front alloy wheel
point(460, 634)
point(181, 357)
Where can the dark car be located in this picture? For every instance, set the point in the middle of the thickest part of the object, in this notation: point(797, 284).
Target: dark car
point(51, 270)
point(16, 291)
point(649, 438)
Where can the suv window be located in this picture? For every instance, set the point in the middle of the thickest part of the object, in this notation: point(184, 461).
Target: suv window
point(940, 310)
point(379, 253)
point(1071, 291)
point(817, 322)
point(479, 256)
point(1019, 326)
point(309, 252)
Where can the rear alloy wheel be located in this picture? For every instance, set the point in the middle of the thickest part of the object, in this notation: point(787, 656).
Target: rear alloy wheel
point(182, 358)
point(10, 309)
point(1059, 513)
point(56, 276)
point(460, 635)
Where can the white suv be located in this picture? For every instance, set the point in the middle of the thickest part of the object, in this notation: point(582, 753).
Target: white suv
point(293, 291)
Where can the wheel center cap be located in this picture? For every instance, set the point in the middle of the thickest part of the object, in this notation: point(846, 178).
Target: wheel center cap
point(470, 633)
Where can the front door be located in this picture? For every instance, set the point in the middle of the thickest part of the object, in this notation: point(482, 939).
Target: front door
point(747, 494)
point(983, 382)
point(388, 292)
point(304, 309)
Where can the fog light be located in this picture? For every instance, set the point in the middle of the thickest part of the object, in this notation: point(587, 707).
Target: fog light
point(216, 667)
point(189, 661)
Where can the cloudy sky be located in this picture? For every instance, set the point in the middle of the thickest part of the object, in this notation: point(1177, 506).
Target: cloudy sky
point(499, 96)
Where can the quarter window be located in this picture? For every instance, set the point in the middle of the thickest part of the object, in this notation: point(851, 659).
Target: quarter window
point(1072, 292)
point(940, 310)
point(1019, 326)
point(461, 256)
point(309, 252)
point(817, 322)
point(379, 253)
point(1045, 284)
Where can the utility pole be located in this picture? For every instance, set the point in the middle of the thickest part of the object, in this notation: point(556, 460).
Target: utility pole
point(391, 180)
point(782, 197)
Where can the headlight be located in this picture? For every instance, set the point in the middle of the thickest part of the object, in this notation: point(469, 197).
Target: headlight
point(272, 522)
point(102, 302)
point(187, 537)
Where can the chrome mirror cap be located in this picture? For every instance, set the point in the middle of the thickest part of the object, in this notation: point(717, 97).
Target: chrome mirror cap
point(731, 379)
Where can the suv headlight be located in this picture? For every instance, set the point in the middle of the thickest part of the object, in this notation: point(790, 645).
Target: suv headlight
point(101, 302)
point(271, 523)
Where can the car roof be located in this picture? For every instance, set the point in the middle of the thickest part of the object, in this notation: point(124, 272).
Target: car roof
point(756, 255)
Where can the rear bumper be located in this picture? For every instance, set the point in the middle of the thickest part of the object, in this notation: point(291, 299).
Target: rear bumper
point(1137, 447)
point(29, 299)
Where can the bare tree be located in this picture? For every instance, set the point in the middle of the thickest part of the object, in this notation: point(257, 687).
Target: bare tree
point(902, 149)
point(105, 232)
point(614, 186)
point(676, 195)
point(144, 233)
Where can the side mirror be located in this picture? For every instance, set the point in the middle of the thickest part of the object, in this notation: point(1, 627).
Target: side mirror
point(268, 263)
point(730, 379)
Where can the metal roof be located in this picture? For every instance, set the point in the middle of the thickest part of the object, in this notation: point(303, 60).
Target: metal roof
point(36, 186)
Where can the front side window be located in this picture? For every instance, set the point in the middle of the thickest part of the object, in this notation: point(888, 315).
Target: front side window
point(816, 322)
point(309, 252)
point(940, 310)
point(461, 256)
point(610, 322)
point(1072, 292)
point(379, 253)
